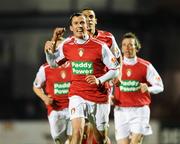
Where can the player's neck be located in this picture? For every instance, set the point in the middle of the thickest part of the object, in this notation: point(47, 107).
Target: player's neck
point(82, 40)
point(92, 32)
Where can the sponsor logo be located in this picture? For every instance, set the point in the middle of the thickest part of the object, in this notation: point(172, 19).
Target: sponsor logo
point(82, 68)
point(61, 88)
point(114, 61)
point(158, 78)
point(129, 86)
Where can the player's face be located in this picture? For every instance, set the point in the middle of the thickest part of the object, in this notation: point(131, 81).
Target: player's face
point(129, 47)
point(90, 18)
point(79, 26)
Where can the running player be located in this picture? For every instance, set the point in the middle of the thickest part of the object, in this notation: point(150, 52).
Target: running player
point(88, 57)
point(132, 96)
point(105, 37)
point(51, 85)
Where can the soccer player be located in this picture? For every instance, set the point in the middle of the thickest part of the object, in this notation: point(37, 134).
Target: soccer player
point(105, 37)
point(133, 95)
point(101, 35)
point(88, 57)
point(51, 85)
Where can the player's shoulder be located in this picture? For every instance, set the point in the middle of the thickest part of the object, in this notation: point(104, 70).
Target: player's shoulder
point(97, 41)
point(68, 40)
point(102, 32)
point(143, 61)
point(45, 65)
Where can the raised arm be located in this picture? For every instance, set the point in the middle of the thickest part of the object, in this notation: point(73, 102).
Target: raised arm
point(51, 48)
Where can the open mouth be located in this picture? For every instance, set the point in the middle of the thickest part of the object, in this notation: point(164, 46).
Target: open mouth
point(80, 31)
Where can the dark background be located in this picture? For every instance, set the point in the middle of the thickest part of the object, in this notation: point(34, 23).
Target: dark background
point(26, 25)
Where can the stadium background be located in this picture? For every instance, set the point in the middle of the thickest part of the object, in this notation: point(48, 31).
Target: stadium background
point(25, 25)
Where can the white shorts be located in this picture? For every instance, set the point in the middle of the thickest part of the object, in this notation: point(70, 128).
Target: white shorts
point(129, 120)
point(95, 113)
point(60, 125)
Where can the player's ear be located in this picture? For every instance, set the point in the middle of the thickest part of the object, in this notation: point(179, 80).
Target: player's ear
point(70, 27)
point(96, 21)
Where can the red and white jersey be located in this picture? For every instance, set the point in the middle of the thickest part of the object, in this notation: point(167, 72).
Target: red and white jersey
point(134, 72)
point(88, 57)
point(109, 39)
point(55, 82)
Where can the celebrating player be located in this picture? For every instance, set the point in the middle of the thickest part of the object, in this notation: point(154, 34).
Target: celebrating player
point(88, 57)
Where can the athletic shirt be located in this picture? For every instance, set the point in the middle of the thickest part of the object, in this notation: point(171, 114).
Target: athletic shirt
point(87, 59)
point(56, 82)
point(128, 94)
point(109, 39)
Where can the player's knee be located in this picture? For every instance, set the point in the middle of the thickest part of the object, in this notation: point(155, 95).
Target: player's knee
point(58, 141)
point(136, 140)
point(102, 139)
point(78, 132)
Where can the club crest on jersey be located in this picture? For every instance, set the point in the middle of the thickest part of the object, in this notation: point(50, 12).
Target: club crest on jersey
point(63, 74)
point(81, 52)
point(128, 72)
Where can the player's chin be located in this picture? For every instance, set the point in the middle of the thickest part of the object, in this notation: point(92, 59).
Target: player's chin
point(80, 35)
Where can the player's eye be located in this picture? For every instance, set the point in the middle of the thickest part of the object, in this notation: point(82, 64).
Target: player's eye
point(91, 16)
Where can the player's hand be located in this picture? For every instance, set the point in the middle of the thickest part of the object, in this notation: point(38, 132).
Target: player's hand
point(49, 46)
point(91, 79)
point(116, 82)
point(48, 100)
point(58, 33)
point(143, 87)
point(112, 100)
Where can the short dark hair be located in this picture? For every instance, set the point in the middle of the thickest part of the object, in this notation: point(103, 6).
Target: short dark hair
point(87, 8)
point(74, 15)
point(132, 35)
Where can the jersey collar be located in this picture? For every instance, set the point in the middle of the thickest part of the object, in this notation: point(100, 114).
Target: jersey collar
point(81, 41)
point(130, 61)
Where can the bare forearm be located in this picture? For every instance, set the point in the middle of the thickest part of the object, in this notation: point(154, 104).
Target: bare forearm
point(39, 92)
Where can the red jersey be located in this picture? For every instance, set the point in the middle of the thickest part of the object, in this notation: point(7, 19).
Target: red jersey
point(105, 37)
point(128, 94)
point(109, 40)
point(56, 83)
point(86, 59)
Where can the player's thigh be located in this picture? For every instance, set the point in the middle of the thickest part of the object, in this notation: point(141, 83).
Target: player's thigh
point(123, 141)
point(58, 125)
point(102, 117)
point(140, 121)
point(77, 107)
point(121, 123)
